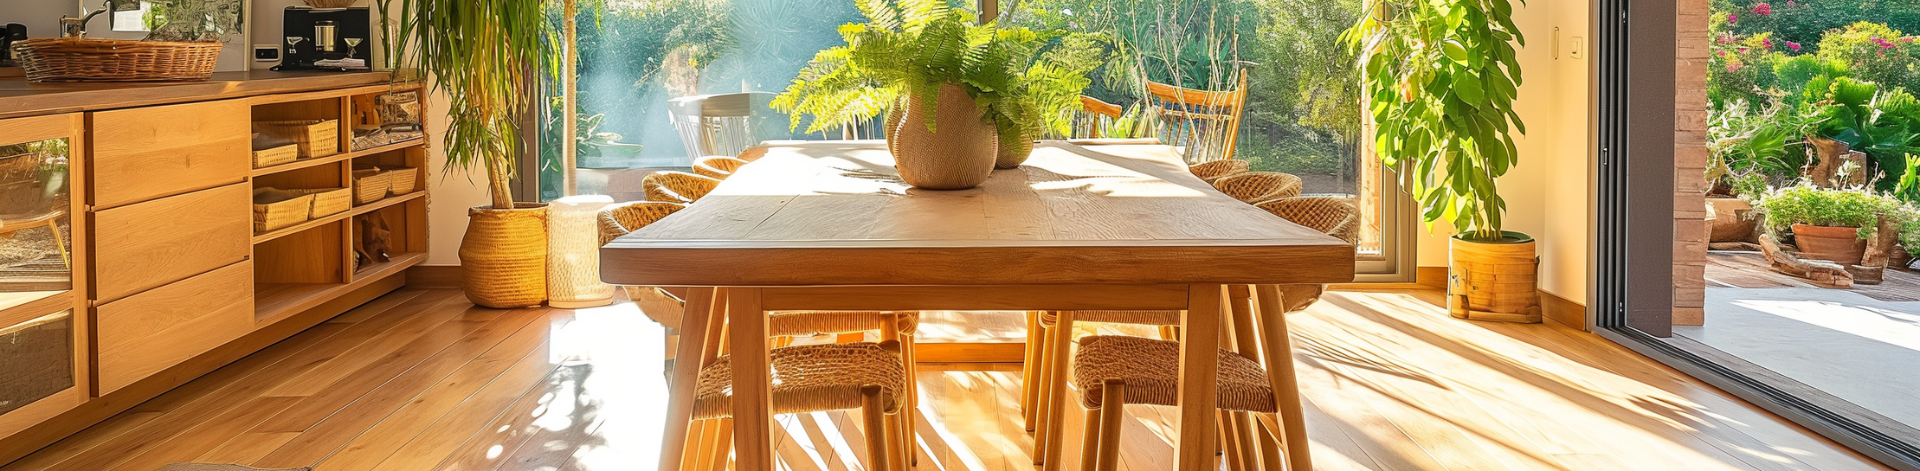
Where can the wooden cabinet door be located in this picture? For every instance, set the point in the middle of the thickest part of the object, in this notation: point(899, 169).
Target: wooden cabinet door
point(145, 333)
point(44, 368)
point(144, 153)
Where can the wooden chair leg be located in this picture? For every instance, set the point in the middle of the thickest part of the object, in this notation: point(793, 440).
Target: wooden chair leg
point(722, 445)
point(1230, 447)
point(1042, 395)
point(1269, 445)
point(913, 400)
point(1090, 444)
point(703, 321)
point(897, 441)
point(1272, 317)
point(874, 413)
point(1061, 341)
point(1030, 374)
point(60, 242)
point(1113, 410)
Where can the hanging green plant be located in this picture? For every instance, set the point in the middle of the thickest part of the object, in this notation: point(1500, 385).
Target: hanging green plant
point(1441, 77)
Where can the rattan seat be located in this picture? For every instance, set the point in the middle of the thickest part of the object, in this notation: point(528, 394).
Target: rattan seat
point(1254, 187)
point(676, 187)
point(1214, 170)
point(810, 323)
point(1052, 318)
point(1151, 371)
point(811, 378)
point(1334, 215)
point(717, 166)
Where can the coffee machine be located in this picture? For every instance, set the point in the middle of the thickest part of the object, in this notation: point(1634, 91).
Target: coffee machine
point(327, 39)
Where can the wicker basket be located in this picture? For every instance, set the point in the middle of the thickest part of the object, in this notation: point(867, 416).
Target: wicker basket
point(503, 256)
point(330, 3)
point(330, 201)
point(116, 60)
point(275, 155)
point(371, 185)
point(404, 179)
point(316, 138)
point(275, 208)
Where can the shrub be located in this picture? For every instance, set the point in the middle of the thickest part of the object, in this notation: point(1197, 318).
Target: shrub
point(1804, 21)
point(1794, 74)
point(1806, 204)
point(1741, 68)
point(1876, 53)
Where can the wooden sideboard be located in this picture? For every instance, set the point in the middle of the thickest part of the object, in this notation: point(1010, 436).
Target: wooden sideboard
point(129, 260)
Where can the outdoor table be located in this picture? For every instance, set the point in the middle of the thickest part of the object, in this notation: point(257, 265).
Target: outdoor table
point(828, 225)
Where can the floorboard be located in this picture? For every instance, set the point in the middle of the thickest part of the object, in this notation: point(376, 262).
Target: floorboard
point(421, 380)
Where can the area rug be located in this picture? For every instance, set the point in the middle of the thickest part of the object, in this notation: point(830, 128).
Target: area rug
point(222, 467)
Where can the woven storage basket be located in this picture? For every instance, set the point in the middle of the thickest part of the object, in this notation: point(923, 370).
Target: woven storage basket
point(275, 208)
point(403, 179)
point(330, 201)
point(316, 137)
point(371, 185)
point(503, 256)
point(275, 155)
point(115, 60)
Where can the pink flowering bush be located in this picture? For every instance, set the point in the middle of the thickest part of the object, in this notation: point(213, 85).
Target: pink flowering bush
point(1876, 53)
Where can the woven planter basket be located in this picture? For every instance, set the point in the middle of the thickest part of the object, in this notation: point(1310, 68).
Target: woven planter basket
point(330, 201)
point(958, 156)
point(316, 138)
point(503, 256)
point(275, 208)
point(275, 156)
point(1014, 155)
point(115, 60)
point(371, 185)
point(1494, 281)
point(403, 179)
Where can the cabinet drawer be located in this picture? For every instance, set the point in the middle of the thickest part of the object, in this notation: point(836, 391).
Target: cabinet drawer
point(142, 246)
point(145, 153)
point(148, 332)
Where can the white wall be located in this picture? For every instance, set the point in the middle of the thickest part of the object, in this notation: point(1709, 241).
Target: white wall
point(1547, 194)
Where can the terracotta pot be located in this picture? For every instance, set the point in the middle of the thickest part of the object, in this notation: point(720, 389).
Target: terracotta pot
point(1011, 156)
point(1494, 280)
point(503, 256)
point(1733, 220)
point(957, 155)
point(1841, 245)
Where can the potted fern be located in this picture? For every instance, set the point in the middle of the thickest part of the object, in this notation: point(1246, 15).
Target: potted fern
point(480, 54)
point(1440, 77)
point(947, 84)
point(1044, 95)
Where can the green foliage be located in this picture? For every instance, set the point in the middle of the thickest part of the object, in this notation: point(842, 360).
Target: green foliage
point(193, 20)
point(1804, 78)
point(480, 54)
point(1806, 204)
point(1740, 68)
point(1875, 53)
point(1441, 77)
point(1742, 141)
point(1804, 22)
point(1908, 187)
point(1885, 124)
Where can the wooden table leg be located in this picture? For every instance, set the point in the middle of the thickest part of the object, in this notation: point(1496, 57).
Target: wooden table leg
point(1199, 369)
point(752, 388)
point(694, 323)
point(1272, 316)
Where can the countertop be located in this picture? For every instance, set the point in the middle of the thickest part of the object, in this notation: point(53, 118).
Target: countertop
point(18, 97)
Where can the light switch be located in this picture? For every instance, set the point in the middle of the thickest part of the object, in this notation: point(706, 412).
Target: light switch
point(1577, 51)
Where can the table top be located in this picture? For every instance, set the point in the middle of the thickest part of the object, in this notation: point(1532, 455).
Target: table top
point(836, 213)
point(18, 97)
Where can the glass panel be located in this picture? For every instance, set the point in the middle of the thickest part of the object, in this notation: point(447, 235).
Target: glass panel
point(36, 360)
point(35, 239)
point(1302, 108)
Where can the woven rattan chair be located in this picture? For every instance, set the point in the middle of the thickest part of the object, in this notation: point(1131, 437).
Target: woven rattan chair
point(1217, 169)
point(1333, 215)
point(1254, 187)
point(677, 187)
point(1112, 371)
point(717, 166)
point(811, 378)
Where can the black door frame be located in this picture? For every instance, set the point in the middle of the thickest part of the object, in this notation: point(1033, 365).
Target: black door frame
point(1634, 93)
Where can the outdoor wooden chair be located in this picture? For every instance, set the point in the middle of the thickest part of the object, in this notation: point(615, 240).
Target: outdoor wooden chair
point(1204, 123)
point(1093, 115)
point(677, 187)
point(1255, 187)
point(717, 166)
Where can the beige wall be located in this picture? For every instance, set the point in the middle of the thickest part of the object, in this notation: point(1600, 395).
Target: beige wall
point(1548, 193)
point(452, 191)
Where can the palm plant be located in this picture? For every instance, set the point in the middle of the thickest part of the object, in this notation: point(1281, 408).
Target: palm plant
point(481, 55)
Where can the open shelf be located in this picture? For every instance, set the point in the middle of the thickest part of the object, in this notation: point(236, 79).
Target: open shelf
point(356, 211)
point(335, 158)
point(400, 259)
point(271, 301)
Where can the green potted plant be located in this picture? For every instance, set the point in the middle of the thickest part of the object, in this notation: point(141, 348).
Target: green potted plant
point(1042, 97)
point(1440, 77)
point(1827, 224)
point(947, 84)
point(481, 54)
point(1745, 145)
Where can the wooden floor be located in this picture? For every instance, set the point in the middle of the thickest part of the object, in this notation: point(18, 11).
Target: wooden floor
point(421, 380)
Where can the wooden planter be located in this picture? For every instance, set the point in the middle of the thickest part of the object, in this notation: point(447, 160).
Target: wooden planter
point(1841, 245)
point(1733, 220)
point(1494, 281)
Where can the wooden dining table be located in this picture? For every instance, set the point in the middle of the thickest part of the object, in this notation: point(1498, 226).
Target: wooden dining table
point(829, 225)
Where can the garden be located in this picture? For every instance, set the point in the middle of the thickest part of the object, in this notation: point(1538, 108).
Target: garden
point(1814, 136)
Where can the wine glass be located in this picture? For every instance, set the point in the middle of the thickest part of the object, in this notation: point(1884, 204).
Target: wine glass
point(353, 46)
point(292, 43)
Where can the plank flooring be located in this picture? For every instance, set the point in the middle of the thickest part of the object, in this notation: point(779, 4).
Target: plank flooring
point(422, 380)
point(1736, 269)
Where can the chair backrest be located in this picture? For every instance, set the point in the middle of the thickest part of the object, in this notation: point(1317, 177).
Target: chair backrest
point(1206, 123)
point(676, 187)
point(1093, 115)
point(621, 219)
point(1333, 215)
point(1255, 187)
point(717, 166)
point(1215, 170)
point(723, 124)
